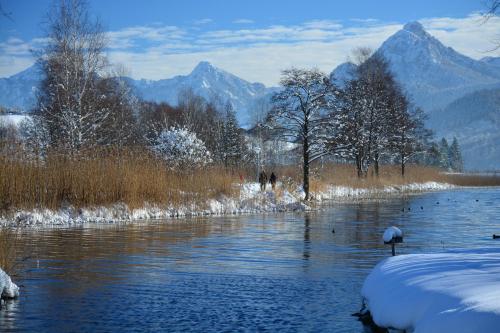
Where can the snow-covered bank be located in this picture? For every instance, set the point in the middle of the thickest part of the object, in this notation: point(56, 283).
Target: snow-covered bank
point(8, 289)
point(442, 292)
point(250, 200)
point(343, 192)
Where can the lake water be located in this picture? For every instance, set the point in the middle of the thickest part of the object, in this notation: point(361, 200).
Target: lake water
point(276, 272)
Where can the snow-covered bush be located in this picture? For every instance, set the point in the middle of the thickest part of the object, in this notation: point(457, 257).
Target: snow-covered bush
point(181, 148)
point(35, 136)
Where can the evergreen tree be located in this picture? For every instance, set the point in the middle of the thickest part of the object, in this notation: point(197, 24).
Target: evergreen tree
point(455, 156)
point(444, 151)
point(433, 155)
point(233, 140)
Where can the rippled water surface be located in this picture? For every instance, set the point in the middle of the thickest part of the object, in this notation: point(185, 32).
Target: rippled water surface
point(276, 272)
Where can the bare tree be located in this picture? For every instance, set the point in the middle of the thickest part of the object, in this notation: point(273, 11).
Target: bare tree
point(365, 110)
point(72, 101)
point(408, 136)
point(492, 8)
point(300, 114)
point(5, 14)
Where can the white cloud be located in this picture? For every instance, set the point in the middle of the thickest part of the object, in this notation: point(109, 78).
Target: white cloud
point(257, 62)
point(203, 21)
point(471, 36)
point(259, 54)
point(243, 21)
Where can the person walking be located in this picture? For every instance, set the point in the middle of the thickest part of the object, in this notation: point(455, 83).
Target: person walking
point(263, 180)
point(273, 180)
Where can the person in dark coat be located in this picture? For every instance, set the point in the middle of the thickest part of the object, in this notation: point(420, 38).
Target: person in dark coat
point(273, 180)
point(263, 180)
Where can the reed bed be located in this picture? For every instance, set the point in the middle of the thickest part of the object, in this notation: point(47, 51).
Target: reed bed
point(135, 177)
point(105, 178)
point(346, 175)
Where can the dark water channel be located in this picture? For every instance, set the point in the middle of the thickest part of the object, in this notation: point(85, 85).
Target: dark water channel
point(275, 272)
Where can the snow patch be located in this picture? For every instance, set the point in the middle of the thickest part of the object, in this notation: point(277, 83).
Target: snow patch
point(8, 289)
point(250, 200)
point(391, 233)
point(443, 292)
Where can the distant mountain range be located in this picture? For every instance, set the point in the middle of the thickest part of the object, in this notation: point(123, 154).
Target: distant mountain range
point(452, 88)
point(19, 90)
point(210, 82)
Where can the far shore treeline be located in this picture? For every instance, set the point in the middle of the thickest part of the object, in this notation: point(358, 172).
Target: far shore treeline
point(88, 122)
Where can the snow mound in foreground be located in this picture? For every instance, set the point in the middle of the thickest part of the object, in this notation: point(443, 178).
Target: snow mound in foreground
point(8, 289)
point(442, 292)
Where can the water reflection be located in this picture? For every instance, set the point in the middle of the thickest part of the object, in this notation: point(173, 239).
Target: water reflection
point(280, 272)
point(307, 240)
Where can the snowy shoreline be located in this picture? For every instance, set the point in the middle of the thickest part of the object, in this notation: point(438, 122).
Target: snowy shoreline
point(8, 289)
point(456, 291)
point(251, 200)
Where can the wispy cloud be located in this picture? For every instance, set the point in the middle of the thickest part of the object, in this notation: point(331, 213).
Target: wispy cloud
point(260, 53)
point(203, 21)
point(243, 21)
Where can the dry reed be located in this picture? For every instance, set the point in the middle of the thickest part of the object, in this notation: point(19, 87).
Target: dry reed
point(135, 177)
point(104, 178)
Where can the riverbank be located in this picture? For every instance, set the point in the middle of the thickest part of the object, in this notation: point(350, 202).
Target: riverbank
point(440, 292)
point(249, 200)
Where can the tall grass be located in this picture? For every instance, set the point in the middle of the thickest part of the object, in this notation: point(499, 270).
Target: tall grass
point(346, 175)
point(105, 178)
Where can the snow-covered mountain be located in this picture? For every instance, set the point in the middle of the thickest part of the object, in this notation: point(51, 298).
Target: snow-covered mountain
point(19, 90)
point(456, 91)
point(433, 74)
point(208, 81)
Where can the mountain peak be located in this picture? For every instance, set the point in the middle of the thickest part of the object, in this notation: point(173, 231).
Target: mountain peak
point(204, 66)
point(416, 28)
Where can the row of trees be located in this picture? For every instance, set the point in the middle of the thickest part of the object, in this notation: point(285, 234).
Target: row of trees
point(443, 155)
point(83, 102)
point(213, 122)
point(369, 120)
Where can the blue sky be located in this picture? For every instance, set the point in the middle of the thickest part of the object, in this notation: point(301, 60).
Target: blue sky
point(256, 39)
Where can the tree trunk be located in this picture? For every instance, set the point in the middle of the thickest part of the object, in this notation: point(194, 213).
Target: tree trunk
point(376, 165)
point(402, 166)
point(306, 162)
point(359, 166)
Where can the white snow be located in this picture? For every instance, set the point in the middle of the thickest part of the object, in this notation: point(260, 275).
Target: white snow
point(250, 200)
point(440, 292)
point(343, 192)
point(13, 119)
point(8, 289)
point(391, 233)
point(181, 148)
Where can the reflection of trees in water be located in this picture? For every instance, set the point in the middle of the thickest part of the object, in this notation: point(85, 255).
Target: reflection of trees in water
point(78, 257)
point(367, 220)
point(307, 237)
